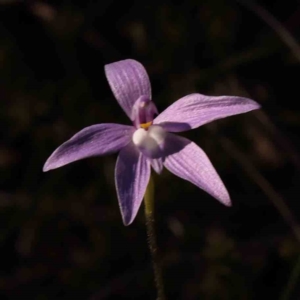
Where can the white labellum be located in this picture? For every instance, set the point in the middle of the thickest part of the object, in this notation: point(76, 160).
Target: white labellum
point(150, 141)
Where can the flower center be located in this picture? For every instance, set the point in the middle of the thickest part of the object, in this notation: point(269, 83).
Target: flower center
point(151, 141)
point(143, 112)
point(146, 125)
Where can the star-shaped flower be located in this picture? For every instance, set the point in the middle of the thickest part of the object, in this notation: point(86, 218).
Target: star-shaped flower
point(150, 141)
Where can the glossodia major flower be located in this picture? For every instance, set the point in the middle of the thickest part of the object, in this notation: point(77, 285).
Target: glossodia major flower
point(150, 140)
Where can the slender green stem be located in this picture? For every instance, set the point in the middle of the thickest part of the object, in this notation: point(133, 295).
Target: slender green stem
point(156, 262)
point(292, 282)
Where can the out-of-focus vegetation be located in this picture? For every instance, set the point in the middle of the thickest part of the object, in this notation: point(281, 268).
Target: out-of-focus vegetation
point(61, 234)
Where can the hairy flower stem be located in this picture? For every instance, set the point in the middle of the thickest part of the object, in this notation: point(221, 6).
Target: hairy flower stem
point(156, 261)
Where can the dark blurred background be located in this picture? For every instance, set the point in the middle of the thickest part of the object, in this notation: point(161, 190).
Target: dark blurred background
point(61, 234)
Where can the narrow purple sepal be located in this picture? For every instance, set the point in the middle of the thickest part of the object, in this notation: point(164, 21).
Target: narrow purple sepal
point(195, 110)
point(188, 161)
point(157, 165)
point(128, 81)
point(132, 174)
point(94, 140)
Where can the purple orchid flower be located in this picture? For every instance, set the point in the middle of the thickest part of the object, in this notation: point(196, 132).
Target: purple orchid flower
point(149, 142)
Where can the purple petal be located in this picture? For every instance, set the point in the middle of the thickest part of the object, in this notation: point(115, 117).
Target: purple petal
point(157, 165)
point(91, 141)
point(128, 80)
point(195, 110)
point(132, 175)
point(189, 162)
